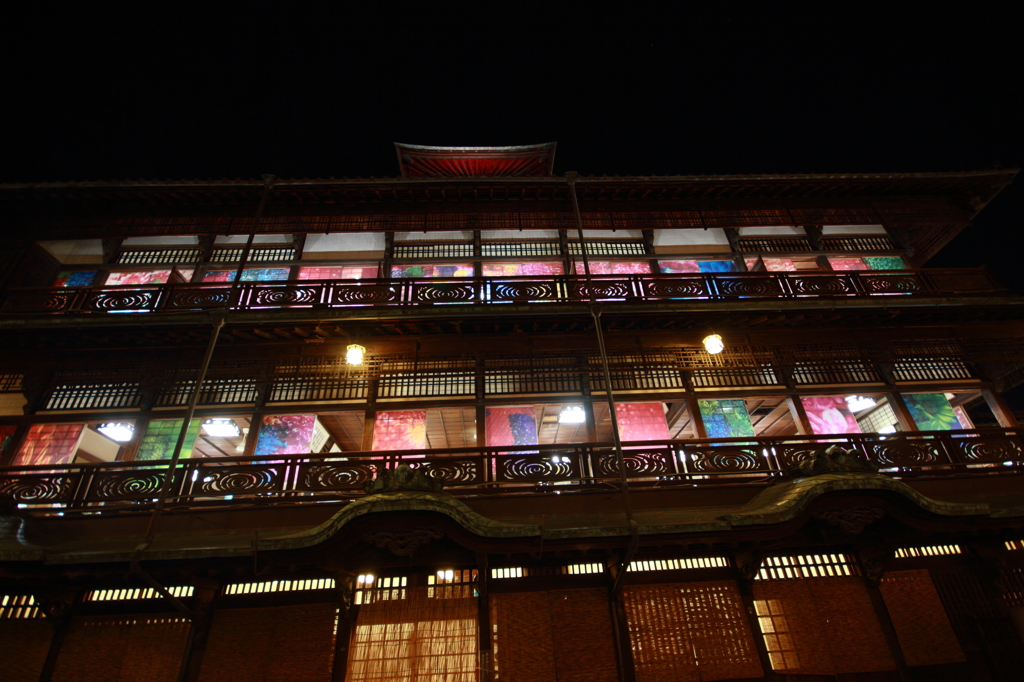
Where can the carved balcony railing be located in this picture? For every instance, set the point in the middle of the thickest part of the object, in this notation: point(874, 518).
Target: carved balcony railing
point(467, 472)
point(564, 289)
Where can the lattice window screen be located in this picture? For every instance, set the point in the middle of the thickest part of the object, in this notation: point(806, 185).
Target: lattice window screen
point(230, 254)
point(415, 638)
point(520, 249)
point(92, 396)
point(294, 643)
point(25, 644)
point(141, 648)
point(690, 631)
point(609, 249)
point(158, 256)
point(922, 627)
point(434, 250)
point(557, 636)
point(828, 623)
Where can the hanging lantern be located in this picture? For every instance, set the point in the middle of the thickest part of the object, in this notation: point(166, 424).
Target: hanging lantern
point(713, 344)
point(354, 354)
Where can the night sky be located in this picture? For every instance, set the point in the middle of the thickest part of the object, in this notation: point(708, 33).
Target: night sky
point(624, 88)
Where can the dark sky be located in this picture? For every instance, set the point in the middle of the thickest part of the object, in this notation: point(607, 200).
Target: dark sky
point(624, 88)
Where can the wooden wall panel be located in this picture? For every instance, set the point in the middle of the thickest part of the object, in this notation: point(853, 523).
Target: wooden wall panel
point(570, 632)
point(281, 644)
point(122, 649)
point(857, 643)
point(690, 631)
point(23, 648)
point(925, 634)
point(829, 623)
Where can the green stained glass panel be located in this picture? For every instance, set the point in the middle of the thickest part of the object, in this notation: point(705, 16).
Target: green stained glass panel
point(161, 437)
point(932, 412)
point(725, 418)
point(885, 263)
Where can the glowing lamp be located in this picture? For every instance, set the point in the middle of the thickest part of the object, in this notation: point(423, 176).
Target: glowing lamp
point(118, 431)
point(856, 403)
point(354, 354)
point(713, 344)
point(221, 428)
point(572, 414)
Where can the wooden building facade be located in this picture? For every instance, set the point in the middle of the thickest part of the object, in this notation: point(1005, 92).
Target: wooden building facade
point(541, 468)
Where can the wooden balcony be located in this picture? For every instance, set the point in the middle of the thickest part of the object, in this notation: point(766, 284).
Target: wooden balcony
point(297, 480)
point(487, 295)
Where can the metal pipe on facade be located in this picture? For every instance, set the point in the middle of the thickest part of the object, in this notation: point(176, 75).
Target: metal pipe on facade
point(595, 313)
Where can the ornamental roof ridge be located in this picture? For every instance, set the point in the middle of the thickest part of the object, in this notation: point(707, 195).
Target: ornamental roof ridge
point(1007, 173)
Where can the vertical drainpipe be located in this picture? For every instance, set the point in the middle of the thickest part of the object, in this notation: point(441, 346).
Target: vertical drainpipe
point(595, 312)
point(218, 323)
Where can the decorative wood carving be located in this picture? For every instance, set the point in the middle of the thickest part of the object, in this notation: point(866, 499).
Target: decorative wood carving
point(851, 521)
point(403, 543)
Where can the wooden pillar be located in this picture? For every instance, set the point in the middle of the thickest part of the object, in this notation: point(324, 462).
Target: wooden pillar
point(131, 448)
point(796, 409)
point(1002, 412)
point(370, 416)
point(389, 254)
point(58, 608)
point(747, 563)
point(204, 591)
point(483, 620)
point(347, 611)
point(873, 560)
point(903, 416)
point(698, 421)
point(563, 248)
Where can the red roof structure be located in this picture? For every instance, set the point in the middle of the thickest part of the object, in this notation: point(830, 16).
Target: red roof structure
point(418, 161)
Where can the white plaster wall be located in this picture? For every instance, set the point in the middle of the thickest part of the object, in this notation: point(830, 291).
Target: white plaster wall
point(608, 234)
point(711, 237)
point(342, 241)
point(434, 236)
point(853, 229)
point(780, 231)
point(161, 241)
point(259, 239)
point(513, 235)
point(75, 251)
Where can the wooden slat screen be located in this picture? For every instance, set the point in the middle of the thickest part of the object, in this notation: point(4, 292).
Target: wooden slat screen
point(414, 638)
point(821, 626)
point(281, 644)
point(24, 644)
point(122, 649)
point(922, 627)
point(690, 631)
point(556, 636)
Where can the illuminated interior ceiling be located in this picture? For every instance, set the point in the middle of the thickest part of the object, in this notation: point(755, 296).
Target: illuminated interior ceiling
point(418, 161)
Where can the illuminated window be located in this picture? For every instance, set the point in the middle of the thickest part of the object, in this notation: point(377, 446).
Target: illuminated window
point(776, 633)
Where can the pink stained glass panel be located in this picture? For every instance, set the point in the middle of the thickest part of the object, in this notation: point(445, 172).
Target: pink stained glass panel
point(845, 264)
point(773, 264)
point(400, 430)
point(49, 444)
point(286, 434)
point(340, 272)
point(829, 414)
point(511, 426)
point(641, 421)
point(522, 269)
point(632, 267)
point(428, 271)
point(138, 277)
